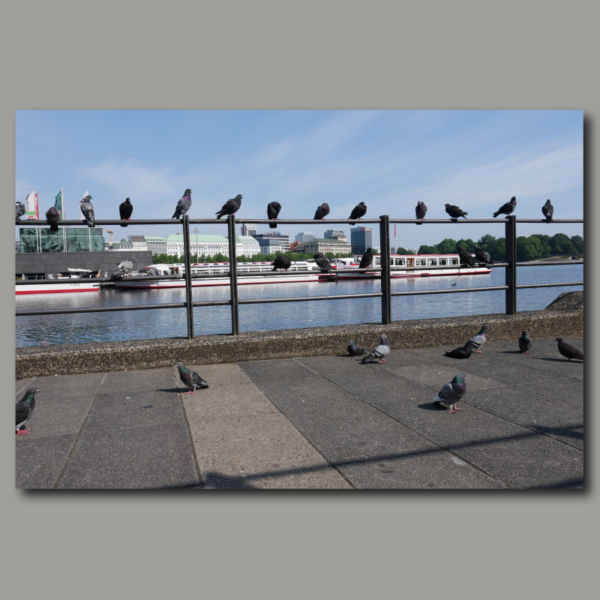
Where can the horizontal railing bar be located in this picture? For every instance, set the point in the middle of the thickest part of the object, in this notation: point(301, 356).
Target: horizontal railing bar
point(540, 285)
point(553, 221)
point(304, 221)
point(445, 221)
point(216, 303)
point(550, 264)
point(33, 223)
point(62, 311)
point(458, 291)
point(307, 298)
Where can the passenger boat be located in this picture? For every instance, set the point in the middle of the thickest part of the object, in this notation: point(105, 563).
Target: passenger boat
point(344, 267)
point(257, 269)
point(61, 288)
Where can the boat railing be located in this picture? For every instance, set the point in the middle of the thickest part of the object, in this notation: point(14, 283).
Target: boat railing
point(233, 271)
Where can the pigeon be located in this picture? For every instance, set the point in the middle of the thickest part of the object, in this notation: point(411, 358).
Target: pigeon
point(480, 339)
point(465, 257)
point(183, 205)
point(53, 217)
point(323, 262)
point(20, 210)
point(125, 210)
point(455, 212)
point(354, 350)
point(24, 410)
point(87, 208)
point(525, 343)
point(282, 262)
point(380, 352)
point(463, 352)
point(190, 378)
point(548, 211)
point(452, 392)
point(359, 211)
point(231, 206)
point(421, 211)
point(367, 259)
point(508, 208)
point(569, 351)
point(322, 212)
point(273, 209)
point(481, 255)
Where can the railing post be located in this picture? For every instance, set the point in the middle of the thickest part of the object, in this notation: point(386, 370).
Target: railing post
point(386, 284)
point(188, 277)
point(235, 311)
point(510, 240)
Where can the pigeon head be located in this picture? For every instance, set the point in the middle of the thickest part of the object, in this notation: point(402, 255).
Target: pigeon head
point(483, 329)
point(325, 205)
point(513, 201)
point(369, 250)
point(525, 334)
point(180, 365)
point(88, 197)
point(276, 204)
point(419, 203)
point(32, 390)
point(351, 343)
point(559, 340)
point(459, 379)
point(384, 339)
point(128, 201)
point(53, 210)
point(548, 202)
point(239, 197)
point(362, 204)
point(187, 192)
point(447, 205)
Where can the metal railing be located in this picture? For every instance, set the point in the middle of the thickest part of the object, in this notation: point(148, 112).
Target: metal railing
point(510, 265)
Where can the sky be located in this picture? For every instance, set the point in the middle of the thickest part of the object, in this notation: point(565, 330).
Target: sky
point(390, 160)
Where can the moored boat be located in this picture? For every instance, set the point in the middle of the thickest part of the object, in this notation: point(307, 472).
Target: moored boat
point(66, 286)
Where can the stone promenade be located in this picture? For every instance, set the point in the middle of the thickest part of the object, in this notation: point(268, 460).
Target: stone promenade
point(324, 422)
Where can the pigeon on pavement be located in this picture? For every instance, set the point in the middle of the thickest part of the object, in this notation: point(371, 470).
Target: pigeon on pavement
point(354, 350)
point(183, 205)
point(480, 339)
point(548, 210)
point(380, 352)
point(463, 352)
point(525, 343)
point(322, 212)
point(53, 217)
point(87, 209)
point(421, 211)
point(190, 378)
point(20, 210)
point(359, 211)
point(481, 255)
point(568, 351)
point(282, 262)
point(367, 259)
point(465, 257)
point(273, 209)
point(508, 208)
point(231, 206)
point(455, 212)
point(125, 210)
point(323, 262)
point(24, 410)
point(452, 392)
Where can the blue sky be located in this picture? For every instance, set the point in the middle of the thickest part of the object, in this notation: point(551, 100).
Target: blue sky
point(387, 159)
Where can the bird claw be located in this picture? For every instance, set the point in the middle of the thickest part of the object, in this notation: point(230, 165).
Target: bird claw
point(382, 361)
point(479, 351)
point(23, 432)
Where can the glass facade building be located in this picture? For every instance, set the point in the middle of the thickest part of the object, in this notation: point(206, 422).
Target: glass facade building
point(361, 238)
point(76, 239)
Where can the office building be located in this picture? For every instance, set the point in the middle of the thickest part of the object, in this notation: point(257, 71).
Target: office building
point(156, 245)
point(361, 238)
point(329, 245)
point(248, 230)
point(284, 240)
point(305, 236)
point(335, 233)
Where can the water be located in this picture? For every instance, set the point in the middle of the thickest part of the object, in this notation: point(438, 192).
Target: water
point(168, 323)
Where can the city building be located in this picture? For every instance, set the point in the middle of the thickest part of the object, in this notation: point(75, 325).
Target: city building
point(248, 229)
point(210, 245)
point(361, 238)
point(18, 245)
point(283, 239)
point(270, 246)
point(335, 233)
point(157, 245)
point(122, 246)
point(246, 245)
point(66, 239)
point(138, 242)
point(329, 245)
point(305, 236)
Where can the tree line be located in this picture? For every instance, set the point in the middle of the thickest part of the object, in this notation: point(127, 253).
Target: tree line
point(528, 248)
point(202, 258)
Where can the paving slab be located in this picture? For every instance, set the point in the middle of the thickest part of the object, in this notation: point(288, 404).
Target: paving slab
point(68, 386)
point(286, 368)
point(220, 374)
point(21, 385)
point(139, 381)
point(567, 390)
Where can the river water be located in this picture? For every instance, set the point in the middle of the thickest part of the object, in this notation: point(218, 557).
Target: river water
point(165, 323)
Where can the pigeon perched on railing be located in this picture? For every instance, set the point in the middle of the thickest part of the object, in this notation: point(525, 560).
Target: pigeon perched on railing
point(359, 211)
point(183, 205)
point(455, 212)
point(323, 262)
point(481, 255)
point(87, 209)
point(273, 209)
point(125, 210)
point(367, 259)
point(354, 350)
point(190, 378)
point(322, 212)
point(24, 410)
point(452, 392)
point(53, 217)
point(20, 210)
point(548, 211)
point(465, 257)
point(421, 210)
point(569, 351)
point(508, 208)
point(480, 339)
point(463, 352)
point(231, 206)
point(380, 352)
point(282, 262)
point(525, 343)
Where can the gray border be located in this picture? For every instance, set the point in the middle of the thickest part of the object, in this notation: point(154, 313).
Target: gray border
point(337, 55)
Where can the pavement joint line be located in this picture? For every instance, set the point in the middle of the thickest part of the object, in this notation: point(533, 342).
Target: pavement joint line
point(62, 471)
point(189, 432)
point(25, 387)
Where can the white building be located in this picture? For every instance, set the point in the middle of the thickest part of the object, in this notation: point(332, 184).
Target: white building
point(210, 245)
point(138, 242)
point(157, 245)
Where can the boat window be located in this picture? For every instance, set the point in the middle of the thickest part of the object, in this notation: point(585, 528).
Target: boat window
point(443, 261)
point(454, 261)
point(432, 261)
point(400, 262)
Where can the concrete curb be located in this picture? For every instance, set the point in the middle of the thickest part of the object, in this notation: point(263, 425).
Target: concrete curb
point(564, 317)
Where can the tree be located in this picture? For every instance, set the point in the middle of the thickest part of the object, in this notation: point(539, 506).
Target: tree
point(561, 244)
point(466, 245)
point(577, 242)
point(447, 246)
point(424, 249)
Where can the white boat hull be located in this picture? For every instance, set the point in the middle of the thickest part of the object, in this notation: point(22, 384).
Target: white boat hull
point(57, 288)
point(347, 273)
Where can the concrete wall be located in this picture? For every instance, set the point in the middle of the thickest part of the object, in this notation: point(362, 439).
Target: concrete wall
point(58, 262)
